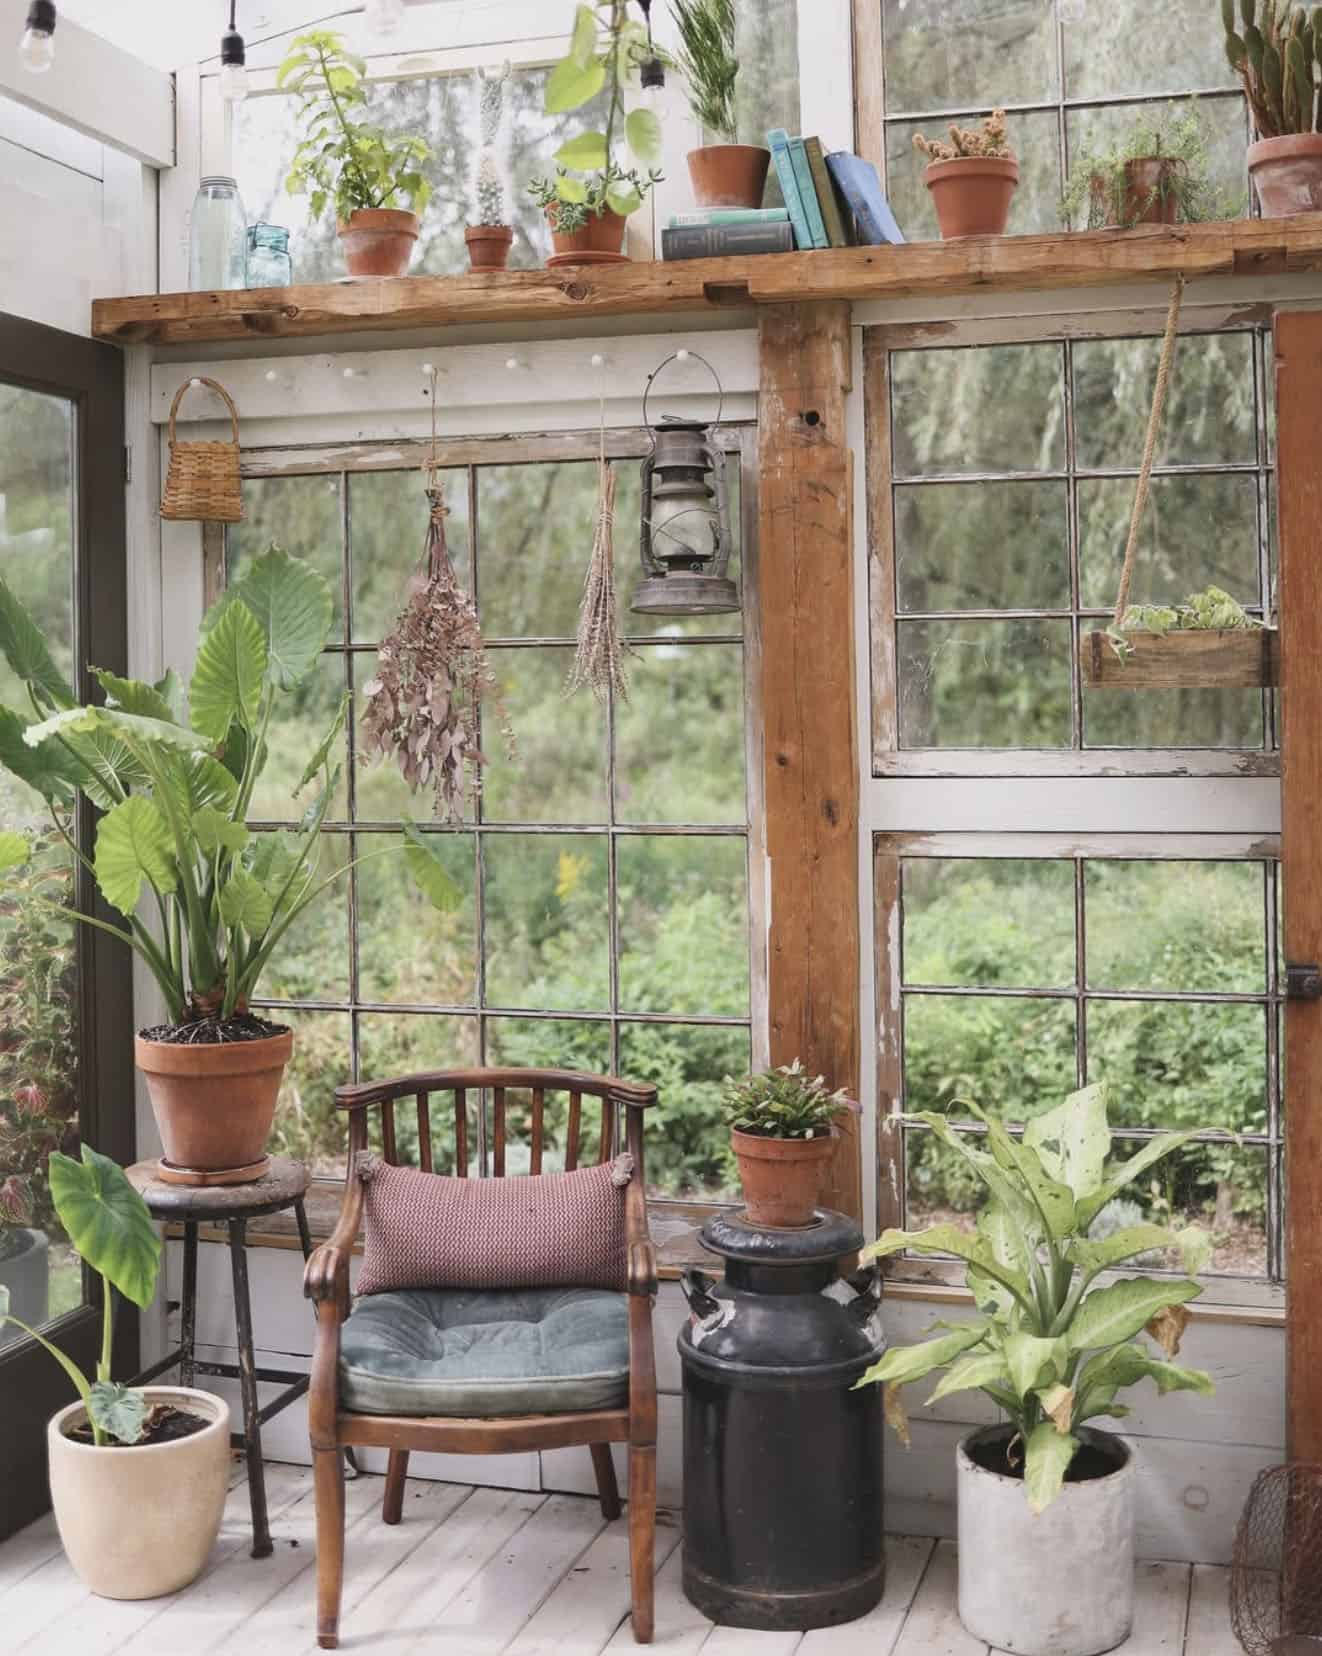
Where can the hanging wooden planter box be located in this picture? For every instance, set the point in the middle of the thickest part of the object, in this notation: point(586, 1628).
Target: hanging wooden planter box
point(1237, 659)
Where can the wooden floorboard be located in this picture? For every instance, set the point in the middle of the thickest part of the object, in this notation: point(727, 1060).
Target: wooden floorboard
point(876, 1633)
point(1208, 1632)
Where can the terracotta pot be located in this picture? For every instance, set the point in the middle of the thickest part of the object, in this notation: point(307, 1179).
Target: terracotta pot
point(138, 1523)
point(214, 1104)
point(729, 175)
point(972, 194)
point(489, 245)
point(602, 235)
point(1147, 195)
point(378, 241)
point(781, 1177)
point(1288, 174)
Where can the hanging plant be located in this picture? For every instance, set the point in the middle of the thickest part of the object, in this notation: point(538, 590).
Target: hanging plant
point(599, 658)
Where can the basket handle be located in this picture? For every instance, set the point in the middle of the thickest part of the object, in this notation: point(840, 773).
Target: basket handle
point(221, 392)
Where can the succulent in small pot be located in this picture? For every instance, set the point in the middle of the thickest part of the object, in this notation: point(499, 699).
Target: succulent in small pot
point(972, 178)
point(588, 227)
point(725, 173)
point(1157, 172)
point(1276, 55)
point(346, 160)
point(783, 1131)
point(490, 235)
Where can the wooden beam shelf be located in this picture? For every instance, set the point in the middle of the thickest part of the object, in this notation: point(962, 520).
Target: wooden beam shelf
point(1095, 258)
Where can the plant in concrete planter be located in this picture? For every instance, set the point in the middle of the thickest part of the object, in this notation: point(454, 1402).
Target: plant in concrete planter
point(490, 235)
point(972, 178)
point(199, 898)
point(782, 1131)
point(725, 173)
point(1155, 173)
point(1052, 1346)
point(348, 161)
point(137, 1475)
point(1275, 48)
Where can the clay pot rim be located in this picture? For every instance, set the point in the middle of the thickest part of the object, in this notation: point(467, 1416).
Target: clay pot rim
point(488, 232)
point(219, 1422)
point(751, 1144)
point(744, 149)
point(213, 1058)
point(995, 166)
point(1279, 149)
point(398, 219)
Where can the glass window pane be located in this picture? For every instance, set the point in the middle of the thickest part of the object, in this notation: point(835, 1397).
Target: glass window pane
point(687, 1144)
point(982, 546)
point(937, 54)
point(1209, 415)
point(940, 1186)
point(993, 684)
point(404, 1043)
point(766, 92)
point(1180, 1064)
point(1012, 1055)
point(949, 410)
point(989, 922)
point(558, 773)
point(303, 515)
point(388, 513)
point(1172, 719)
point(1035, 206)
point(308, 1127)
point(311, 961)
point(683, 925)
point(535, 528)
point(409, 951)
point(547, 925)
point(1175, 925)
point(679, 740)
point(1178, 52)
point(1098, 130)
point(1222, 1187)
point(303, 716)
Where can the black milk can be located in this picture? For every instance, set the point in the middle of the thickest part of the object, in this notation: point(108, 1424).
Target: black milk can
point(782, 1458)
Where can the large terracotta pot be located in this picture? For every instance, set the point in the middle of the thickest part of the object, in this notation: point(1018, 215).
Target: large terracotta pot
point(137, 1523)
point(781, 1177)
point(1147, 195)
point(729, 175)
point(378, 241)
point(972, 194)
point(488, 245)
point(1288, 174)
point(599, 241)
point(214, 1104)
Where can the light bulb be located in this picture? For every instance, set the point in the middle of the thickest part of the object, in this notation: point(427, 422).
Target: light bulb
point(37, 47)
point(233, 82)
point(384, 16)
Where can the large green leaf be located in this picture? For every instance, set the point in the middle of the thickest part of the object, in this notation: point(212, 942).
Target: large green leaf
point(950, 1239)
point(902, 1364)
point(107, 1221)
point(971, 1372)
point(570, 85)
point(134, 696)
point(583, 40)
point(1032, 1362)
point(23, 647)
point(1110, 1315)
point(1102, 1376)
point(642, 132)
point(1193, 1242)
point(1053, 1200)
point(227, 679)
point(49, 769)
point(198, 782)
point(1073, 1140)
point(428, 872)
point(1153, 1151)
point(294, 607)
point(245, 902)
point(133, 845)
point(1047, 1455)
point(585, 153)
point(14, 850)
point(110, 770)
point(1027, 1230)
point(79, 721)
point(215, 831)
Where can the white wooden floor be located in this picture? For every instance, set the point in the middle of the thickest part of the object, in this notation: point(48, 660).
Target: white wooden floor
point(477, 1571)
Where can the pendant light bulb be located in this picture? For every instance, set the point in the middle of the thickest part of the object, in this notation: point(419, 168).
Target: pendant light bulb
point(37, 47)
point(383, 17)
point(233, 63)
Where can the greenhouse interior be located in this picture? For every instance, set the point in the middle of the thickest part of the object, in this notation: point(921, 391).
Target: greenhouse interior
point(660, 967)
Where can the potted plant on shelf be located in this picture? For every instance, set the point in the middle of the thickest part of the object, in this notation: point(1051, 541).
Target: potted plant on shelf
point(591, 194)
point(782, 1131)
point(491, 235)
point(137, 1475)
point(1155, 173)
point(724, 174)
point(201, 900)
point(972, 178)
point(1209, 642)
point(1275, 54)
point(1052, 1346)
point(352, 163)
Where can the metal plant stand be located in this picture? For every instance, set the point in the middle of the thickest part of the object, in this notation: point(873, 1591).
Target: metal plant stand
point(282, 1186)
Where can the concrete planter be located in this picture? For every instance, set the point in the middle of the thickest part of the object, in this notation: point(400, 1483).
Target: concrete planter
point(1056, 1583)
point(138, 1523)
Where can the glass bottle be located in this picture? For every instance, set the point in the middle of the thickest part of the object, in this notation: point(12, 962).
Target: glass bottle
point(217, 237)
point(269, 264)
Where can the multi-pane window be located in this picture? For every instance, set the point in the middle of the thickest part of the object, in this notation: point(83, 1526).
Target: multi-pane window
point(605, 916)
point(1072, 74)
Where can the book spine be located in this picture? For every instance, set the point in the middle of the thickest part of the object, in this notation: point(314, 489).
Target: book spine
point(730, 215)
point(712, 241)
point(807, 194)
point(836, 233)
point(779, 144)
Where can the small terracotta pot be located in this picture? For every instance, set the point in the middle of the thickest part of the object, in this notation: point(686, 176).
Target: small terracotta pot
point(602, 234)
point(781, 1177)
point(1288, 174)
point(489, 245)
point(729, 175)
point(214, 1104)
point(1147, 195)
point(378, 241)
point(972, 194)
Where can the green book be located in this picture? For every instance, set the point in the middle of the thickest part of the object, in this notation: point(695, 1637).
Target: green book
point(837, 231)
point(807, 194)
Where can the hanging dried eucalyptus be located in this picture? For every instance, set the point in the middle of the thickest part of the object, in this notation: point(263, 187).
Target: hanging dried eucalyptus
point(599, 658)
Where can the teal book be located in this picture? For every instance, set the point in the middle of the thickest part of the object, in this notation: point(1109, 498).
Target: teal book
point(808, 194)
point(778, 141)
point(730, 215)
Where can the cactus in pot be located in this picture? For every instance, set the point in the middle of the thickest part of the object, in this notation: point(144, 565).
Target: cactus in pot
point(1276, 50)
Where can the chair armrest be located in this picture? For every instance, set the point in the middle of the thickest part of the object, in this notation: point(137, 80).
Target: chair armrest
point(326, 1274)
point(642, 1268)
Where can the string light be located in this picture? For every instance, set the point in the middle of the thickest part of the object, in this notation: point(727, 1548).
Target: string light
point(37, 47)
point(651, 71)
point(233, 59)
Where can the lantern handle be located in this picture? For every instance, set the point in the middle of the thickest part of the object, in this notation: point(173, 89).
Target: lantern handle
point(682, 356)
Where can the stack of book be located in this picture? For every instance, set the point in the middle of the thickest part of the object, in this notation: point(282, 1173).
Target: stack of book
point(833, 200)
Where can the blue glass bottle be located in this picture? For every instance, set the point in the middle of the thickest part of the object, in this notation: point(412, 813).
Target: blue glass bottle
point(269, 263)
point(217, 237)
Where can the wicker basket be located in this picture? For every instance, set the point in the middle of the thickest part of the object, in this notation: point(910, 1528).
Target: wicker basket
point(202, 485)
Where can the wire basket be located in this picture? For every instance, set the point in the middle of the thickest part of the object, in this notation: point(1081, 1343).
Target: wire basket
point(1276, 1574)
point(202, 483)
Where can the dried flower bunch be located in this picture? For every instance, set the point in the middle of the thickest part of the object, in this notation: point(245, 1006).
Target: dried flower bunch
point(599, 658)
point(991, 139)
point(432, 674)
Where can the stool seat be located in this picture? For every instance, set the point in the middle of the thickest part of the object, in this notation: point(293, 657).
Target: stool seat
point(283, 1184)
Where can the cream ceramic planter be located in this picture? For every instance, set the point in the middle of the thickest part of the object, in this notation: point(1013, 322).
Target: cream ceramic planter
point(1055, 1583)
point(137, 1523)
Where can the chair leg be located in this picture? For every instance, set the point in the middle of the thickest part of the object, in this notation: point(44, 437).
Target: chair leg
point(642, 1537)
point(608, 1491)
point(328, 1474)
point(392, 1505)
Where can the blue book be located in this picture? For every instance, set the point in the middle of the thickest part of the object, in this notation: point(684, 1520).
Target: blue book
point(861, 191)
point(808, 194)
point(778, 141)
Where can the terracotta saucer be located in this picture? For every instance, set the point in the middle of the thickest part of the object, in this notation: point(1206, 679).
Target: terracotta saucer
point(586, 258)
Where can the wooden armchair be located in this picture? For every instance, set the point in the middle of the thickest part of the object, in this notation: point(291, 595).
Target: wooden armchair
point(326, 1284)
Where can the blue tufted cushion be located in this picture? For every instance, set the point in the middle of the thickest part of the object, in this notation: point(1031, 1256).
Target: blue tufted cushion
point(473, 1352)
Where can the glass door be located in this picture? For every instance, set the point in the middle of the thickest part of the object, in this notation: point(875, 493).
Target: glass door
point(65, 997)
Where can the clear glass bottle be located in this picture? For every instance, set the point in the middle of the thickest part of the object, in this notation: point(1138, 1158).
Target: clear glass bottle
point(217, 237)
point(269, 264)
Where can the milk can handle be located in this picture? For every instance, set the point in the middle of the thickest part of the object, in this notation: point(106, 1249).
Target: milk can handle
point(867, 1290)
point(696, 1285)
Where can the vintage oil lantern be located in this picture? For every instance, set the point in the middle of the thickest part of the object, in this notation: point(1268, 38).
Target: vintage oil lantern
point(782, 1458)
point(685, 537)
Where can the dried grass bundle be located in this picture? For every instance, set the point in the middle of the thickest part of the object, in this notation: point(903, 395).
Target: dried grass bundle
point(599, 656)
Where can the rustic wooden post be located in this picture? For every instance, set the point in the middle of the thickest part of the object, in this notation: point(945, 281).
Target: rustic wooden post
point(806, 599)
point(1299, 496)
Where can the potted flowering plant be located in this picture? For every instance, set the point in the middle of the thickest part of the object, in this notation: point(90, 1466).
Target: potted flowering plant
point(782, 1131)
point(972, 178)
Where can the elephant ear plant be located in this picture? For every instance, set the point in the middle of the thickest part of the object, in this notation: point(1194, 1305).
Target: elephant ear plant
point(1050, 1345)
